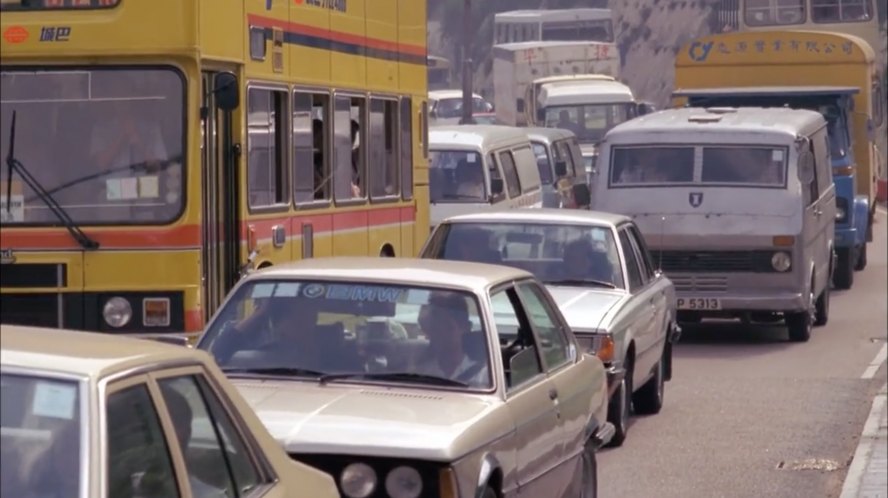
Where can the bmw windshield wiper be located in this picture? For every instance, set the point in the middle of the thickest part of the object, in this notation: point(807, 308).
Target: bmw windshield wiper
point(581, 282)
point(300, 372)
point(14, 165)
point(396, 376)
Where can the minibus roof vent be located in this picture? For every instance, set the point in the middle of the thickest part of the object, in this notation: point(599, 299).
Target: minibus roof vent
point(704, 118)
point(721, 110)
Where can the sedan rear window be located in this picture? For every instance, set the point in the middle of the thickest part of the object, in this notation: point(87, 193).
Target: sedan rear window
point(362, 330)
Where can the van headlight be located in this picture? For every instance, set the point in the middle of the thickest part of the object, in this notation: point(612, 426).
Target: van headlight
point(841, 209)
point(781, 261)
point(117, 312)
point(358, 480)
point(403, 482)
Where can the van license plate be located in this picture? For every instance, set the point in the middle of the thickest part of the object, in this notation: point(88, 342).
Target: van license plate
point(698, 303)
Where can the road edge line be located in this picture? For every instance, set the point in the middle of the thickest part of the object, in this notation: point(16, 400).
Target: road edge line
point(868, 440)
point(876, 364)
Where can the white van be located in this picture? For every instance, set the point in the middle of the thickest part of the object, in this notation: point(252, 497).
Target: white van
point(738, 205)
point(474, 167)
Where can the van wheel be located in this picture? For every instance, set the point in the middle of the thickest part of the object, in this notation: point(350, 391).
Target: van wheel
point(843, 278)
point(861, 258)
point(799, 323)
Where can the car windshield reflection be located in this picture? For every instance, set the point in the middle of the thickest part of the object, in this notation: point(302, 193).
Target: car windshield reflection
point(561, 254)
point(352, 331)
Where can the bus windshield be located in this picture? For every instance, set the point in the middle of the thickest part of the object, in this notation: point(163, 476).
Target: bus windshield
point(588, 122)
point(106, 143)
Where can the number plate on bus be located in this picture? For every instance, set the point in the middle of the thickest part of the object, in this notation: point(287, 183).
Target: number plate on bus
point(698, 303)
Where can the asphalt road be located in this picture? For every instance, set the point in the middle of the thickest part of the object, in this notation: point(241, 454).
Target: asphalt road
point(746, 410)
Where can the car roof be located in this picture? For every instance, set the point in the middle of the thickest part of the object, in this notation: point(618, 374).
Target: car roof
point(543, 215)
point(409, 271)
point(84, 354)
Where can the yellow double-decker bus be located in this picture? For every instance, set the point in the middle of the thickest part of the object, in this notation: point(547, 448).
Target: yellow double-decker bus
point(154, 150)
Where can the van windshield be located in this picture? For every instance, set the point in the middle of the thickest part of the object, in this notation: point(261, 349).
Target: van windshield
point(456, 176)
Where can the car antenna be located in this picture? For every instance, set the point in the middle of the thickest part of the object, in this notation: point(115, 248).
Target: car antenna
point(9, 159)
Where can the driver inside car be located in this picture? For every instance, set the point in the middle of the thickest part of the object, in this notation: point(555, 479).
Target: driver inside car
point(286, 333)
point(445, 321)
point(582, 261)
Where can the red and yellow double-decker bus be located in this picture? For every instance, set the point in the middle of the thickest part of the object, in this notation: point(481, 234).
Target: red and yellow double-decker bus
point(154, 150)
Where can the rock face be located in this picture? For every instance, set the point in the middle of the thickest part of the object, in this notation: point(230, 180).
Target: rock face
point(649, 33)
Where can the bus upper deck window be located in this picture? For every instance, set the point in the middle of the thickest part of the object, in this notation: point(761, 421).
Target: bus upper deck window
point(774, 12)
point(830, 11)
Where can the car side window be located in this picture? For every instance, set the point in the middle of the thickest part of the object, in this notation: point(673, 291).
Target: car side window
point(632, 264)
point(521, 361)
point(215, 467)
point(643, 251)
point(553, 343)
point(139, 462)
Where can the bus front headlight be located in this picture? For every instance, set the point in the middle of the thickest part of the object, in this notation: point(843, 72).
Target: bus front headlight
point(117, 312)
point(781, 261)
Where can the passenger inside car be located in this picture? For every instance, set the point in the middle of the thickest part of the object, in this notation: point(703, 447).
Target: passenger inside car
point(472, 245)
point(453, 352)
point(582, 260)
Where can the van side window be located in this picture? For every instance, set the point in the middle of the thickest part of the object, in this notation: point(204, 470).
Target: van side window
point(542, 161)
point(822, 165)
point(510, 172)
point(564, 152)
point(494, 173)
point(527, 175)
point(809, 190)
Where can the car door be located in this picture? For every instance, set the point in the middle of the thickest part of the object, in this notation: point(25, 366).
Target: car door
point(530, 396)
point(138, 456)
point(219, 455)
point(573, 388)
point(641, 328)
point(658, 288)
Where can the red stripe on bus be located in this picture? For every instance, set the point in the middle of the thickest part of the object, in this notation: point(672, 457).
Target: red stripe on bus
point(337, 36)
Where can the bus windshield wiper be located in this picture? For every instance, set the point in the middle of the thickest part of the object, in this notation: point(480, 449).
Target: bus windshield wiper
point(14, 165)
point(581, 282)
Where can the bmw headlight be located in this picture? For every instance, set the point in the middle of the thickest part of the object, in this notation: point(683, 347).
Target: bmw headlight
point(117, 312)
point(403, 482)
point(781, 261)
point(358, 480)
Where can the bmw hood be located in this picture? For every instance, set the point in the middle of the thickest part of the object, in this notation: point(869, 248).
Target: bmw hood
point(585, 308)
point(305, 417)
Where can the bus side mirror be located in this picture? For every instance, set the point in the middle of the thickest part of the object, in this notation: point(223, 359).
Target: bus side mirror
point(560, 168)
point(226, 90)
point(582, 195)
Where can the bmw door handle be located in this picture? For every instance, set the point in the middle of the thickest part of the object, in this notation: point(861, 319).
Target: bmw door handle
point(553, 394)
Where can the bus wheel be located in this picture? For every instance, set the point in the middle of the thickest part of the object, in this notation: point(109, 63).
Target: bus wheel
point(387, 252)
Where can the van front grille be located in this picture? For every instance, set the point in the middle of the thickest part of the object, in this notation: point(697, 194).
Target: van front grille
point(714, 261)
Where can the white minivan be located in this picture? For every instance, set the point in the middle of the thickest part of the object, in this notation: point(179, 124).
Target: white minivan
point(474, 167)
point(738, 205)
